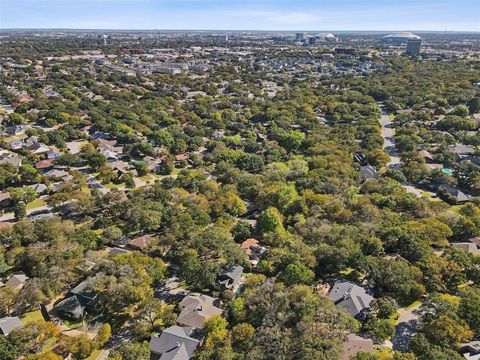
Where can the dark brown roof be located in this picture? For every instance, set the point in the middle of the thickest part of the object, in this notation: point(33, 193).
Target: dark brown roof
point(141, 242)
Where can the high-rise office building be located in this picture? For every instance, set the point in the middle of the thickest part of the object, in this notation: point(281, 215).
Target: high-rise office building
point(300, 36)
point(413, 47)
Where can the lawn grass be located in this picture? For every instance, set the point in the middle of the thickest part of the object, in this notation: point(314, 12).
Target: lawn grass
point(394, 317)
point(94, 355)
point(72, 324)
point(452, 299)
point(49, 344)
point(36, 204)
point(346, 272)
point(412, 305)
point(32, 316)
point(145, 178)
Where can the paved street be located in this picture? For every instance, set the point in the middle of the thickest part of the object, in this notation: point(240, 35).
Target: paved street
point(388, 133)
point(10, 216)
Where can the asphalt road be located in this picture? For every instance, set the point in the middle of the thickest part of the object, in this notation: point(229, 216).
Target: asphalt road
point(10, 217)
point(388, 134)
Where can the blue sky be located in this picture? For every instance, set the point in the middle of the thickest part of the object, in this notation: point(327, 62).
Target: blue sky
point(451, 15)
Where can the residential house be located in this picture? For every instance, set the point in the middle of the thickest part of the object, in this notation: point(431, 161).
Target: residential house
point(105, 142)
point(454, 195)
point(196, 308)
point(354, 344)
point(261, 137)
point(369, 172)
point(17, 129)
point(218, 134)
point(82, 299)
point(141, 243)
point(53, 153)
point(361, 159)
point(31, 141)
point(16, 144)
point(39, 188)
point(110, 152)
point(253, 249)
point(119, 167)
point(153, 164)
point(74, 147)
point(471, 350)
point(7, 324)
point(57, 174)
point(469, 247)
point(100, 135)
point(4, 225)
point(44, 164)
point(118, 251)
point(230, 278)
point(464, 153)
point(39, 149)
point(10, 158)
point(175, 343)
point(85, 294)
point(17, 281)
point(429, 158)
point(5, 199)
point(70, 308)
point(24, 99)
point(180, 159)
point(475, 240)
point(353, 298)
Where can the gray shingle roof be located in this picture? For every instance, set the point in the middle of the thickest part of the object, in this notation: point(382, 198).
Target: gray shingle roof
point(71, 307)
point(175, 343)
point(350, 296)
point(7, 324)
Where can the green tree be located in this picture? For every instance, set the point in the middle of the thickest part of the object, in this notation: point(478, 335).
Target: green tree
point(103, 335)
point(28, 174)
point(8, 351)
point(242, 336)
point(270, 221)
point(469, 309)
point(131, 351)
point(156, 313)
point(381, 329)
point(296, 273)
point(129, 180)
point(49, 355)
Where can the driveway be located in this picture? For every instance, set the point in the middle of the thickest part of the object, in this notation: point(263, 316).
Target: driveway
point(406, 328)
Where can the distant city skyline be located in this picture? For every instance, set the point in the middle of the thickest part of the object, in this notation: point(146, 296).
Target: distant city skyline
point(268, 15)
